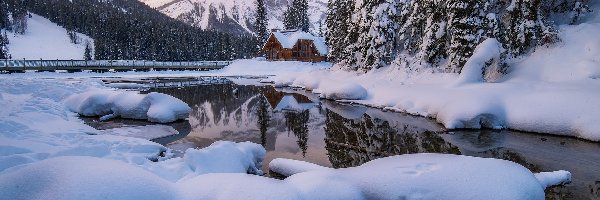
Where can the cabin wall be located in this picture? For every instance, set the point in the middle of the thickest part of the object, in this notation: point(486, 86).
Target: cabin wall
point(303, 50)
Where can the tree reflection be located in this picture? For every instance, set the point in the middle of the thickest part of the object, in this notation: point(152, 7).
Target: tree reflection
point(262, 113)
point(351, 143)
point(297, 123)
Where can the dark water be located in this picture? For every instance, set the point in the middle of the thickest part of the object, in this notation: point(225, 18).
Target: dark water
point(295, 125)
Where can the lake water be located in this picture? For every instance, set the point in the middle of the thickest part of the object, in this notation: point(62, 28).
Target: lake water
point(297, 125)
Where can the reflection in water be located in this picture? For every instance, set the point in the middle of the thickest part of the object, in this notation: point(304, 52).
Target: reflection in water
point(336, 135)
point(262, 113)
point(538, 153)
point(352, 142)
point(297, 122)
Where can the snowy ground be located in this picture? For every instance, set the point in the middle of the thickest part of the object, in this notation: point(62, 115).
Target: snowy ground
point(46, 40)
point(46, 152)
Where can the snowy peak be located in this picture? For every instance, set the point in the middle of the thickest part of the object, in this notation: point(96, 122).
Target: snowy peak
point(235, 16)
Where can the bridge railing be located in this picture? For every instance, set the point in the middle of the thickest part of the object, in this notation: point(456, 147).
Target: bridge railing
point(82, 64)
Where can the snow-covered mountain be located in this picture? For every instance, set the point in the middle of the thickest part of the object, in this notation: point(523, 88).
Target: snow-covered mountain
point(235, 16)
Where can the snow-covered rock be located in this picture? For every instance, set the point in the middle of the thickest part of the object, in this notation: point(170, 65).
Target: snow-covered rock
point(226, 157)
point(155, 107)
point(473, 71)
point(341, 91)
point(420, 176)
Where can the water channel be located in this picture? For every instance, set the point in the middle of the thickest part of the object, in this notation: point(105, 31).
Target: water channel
point(297, 125)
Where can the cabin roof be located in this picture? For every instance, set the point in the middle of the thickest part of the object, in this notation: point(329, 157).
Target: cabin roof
point(289, 38)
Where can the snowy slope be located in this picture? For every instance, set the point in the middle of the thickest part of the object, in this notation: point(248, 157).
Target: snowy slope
point(46, 40)
point(232, 15)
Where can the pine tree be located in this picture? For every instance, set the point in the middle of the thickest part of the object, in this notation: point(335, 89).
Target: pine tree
point(339, 14)
point(87, 54)
point(466, 19)
point(4, 46)
point(261, 23)
point(4, 21)
point(523, 28)
point(19, 14)
point(379, 33)
point(296, 16)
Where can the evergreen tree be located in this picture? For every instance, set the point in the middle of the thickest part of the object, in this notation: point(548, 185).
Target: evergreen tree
point(466, 19)
point(524, 26)
point(339, 14)
point(261, 23)
point(381, 35)
point(4, 21)
point(4, 46)
point(296, 16)
point(125, 29)
point(87, 54)
point(19, 15)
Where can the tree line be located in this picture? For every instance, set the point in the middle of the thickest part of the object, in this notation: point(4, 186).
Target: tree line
point(295, 17)
point(439, 34)
point(129, 29)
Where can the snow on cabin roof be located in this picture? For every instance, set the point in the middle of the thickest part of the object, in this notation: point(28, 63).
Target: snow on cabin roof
point(289, 38)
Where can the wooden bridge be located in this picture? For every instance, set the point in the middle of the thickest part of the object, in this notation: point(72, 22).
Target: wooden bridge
point(12, 66)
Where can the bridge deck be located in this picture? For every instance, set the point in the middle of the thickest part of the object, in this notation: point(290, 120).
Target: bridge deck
point(105, 65)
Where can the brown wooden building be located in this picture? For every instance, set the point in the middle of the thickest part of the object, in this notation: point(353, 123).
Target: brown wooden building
point(294, 45)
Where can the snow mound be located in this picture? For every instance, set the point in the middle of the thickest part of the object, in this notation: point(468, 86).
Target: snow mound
point(221, 186)
point(83, 178)
point(548, 179)
point(485, 52)
point(155, 107)
point(341, 91)
point(421, 176)
point(226, 157)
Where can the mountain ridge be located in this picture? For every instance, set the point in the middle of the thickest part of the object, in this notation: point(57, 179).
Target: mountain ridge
point(234, 16)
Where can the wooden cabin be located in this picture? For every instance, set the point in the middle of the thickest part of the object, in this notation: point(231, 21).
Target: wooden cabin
point(294, 45)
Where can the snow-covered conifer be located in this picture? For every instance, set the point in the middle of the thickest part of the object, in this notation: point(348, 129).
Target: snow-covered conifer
point(260, 22)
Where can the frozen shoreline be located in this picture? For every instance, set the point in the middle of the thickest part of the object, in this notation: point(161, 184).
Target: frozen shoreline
point(39, 134)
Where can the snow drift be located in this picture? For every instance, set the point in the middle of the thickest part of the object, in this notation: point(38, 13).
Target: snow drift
point(155, 107)
point(420, 176)
point(413, 176)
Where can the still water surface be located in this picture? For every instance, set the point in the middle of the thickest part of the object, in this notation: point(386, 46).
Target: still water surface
point(296, 125)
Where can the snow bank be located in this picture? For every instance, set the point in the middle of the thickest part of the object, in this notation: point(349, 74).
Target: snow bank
point(548, 179)
point(415, 176)
point(262, 68)
point(83, 178)
point(341, 90)
point(155, 107)
point(553, 90)
point(418, 176)
point(288, 167)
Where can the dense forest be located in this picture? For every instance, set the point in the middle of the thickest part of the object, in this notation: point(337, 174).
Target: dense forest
point(128, 29)
point(441, 34)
